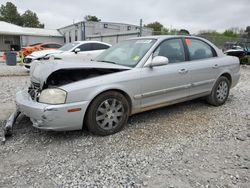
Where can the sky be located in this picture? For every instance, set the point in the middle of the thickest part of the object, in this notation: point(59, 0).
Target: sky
point(193, 15)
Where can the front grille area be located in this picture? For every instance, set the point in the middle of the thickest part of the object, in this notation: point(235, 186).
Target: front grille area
point(34, 90)
point(27, 60)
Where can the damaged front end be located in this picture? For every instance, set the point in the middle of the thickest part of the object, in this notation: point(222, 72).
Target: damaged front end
point(47, 76)
point(7, 129)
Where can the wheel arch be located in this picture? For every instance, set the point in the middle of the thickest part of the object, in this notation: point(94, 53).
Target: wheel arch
point(228, 76)
point(125, 94)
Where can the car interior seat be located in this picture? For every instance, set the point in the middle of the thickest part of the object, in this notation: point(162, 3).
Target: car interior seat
point(171, 53)
point(199, 54)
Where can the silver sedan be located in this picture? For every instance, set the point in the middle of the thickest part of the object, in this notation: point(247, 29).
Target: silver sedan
point(133, 76)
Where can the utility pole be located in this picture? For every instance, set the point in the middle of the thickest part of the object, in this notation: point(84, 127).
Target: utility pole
point(83, 30)
point(140, 27)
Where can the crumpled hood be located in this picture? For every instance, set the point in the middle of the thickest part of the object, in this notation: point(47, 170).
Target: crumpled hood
point(41, 70)
point(42, 53)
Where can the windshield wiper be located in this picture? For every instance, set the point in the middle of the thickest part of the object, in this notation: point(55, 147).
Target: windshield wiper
point(104, 61)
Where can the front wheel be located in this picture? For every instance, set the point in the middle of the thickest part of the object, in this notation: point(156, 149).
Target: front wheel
point(107, 114)
point(219, 92)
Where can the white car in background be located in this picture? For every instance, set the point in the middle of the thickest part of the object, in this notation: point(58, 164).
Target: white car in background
point(79, 50)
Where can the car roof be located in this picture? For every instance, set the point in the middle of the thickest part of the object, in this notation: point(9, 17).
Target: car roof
point(162, 37)
point(91, 41)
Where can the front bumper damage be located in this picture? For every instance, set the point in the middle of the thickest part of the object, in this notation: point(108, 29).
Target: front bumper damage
point(7, 129)
point(45, 116)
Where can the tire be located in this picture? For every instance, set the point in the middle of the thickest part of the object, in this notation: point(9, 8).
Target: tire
point(219, 92)
point(107, 114)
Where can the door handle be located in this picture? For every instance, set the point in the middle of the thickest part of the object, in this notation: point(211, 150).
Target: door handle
point(183, 71)
point(216, 66)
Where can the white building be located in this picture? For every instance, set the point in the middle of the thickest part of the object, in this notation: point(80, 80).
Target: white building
point(102, 31)
point(13, 36)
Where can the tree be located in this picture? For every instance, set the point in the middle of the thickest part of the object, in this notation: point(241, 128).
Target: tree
point(9, 13)
point(30, 19)
point(230, 33)
point(165, 31)
point(183, 32)
point(156, 26)
point(248, 31)
point(90, 18)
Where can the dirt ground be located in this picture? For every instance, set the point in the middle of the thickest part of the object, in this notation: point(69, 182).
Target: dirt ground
point(190, 144)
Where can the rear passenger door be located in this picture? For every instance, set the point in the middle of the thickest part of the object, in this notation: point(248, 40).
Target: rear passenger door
point(203, 66)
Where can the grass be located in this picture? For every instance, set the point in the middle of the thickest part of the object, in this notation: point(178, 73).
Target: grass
point(245, 60)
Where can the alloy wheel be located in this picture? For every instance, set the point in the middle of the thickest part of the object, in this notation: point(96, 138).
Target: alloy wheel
point(109, 113)
point(222, 91)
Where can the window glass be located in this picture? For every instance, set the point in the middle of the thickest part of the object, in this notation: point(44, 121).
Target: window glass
point(85, 47)
point(45, 46)
point(35, 44)
point(76, 38)
point(53, 45)
point(69, 46)
point(99, 46)
point(198, 49)
point(69, 36)
point(172, 49)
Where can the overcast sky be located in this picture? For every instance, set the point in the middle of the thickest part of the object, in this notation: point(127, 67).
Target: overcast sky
point(193, 15)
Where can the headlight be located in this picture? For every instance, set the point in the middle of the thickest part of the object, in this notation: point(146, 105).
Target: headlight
point(53, 96)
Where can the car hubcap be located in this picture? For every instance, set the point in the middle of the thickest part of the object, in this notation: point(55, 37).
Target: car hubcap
point(109, 114)
point(222, 91)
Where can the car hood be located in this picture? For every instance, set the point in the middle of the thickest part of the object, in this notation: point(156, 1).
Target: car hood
point(42, 53)
point(41, 70)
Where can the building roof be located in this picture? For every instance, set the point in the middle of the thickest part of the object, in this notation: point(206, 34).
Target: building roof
point(92, 22)
point(11, 29)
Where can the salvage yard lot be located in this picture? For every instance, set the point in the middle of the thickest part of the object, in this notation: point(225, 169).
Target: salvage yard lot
point(190, 144)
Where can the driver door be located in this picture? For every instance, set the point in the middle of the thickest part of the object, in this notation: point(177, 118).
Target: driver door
point(163, 84)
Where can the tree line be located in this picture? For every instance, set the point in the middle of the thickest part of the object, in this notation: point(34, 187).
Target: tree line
point(233, 32)
point(9, 13)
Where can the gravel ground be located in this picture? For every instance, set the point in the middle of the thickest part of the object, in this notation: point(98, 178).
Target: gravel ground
point(17, 70)
point(190, 144)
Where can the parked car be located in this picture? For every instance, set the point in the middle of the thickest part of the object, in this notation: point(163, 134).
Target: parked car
point(236, 51)
point(25, 51)
point(79, 50)
point(133, 76)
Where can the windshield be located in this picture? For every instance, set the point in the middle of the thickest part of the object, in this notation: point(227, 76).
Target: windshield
point(68, 47)
point(127, 53)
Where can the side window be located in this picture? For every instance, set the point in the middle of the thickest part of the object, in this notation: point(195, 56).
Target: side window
point(172, 49)
point(45, 46)
point(199, 49)
point(85, 47)
point(99, 46)
point(57, 45)
point(54, 46)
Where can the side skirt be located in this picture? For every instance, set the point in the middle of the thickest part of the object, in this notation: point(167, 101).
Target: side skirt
point(168, 103)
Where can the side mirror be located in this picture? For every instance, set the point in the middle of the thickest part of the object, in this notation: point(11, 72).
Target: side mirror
point(159, 61)
point(77, 50)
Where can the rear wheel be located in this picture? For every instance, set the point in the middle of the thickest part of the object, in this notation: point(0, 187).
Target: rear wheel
point(220, 92)
point(107, 114)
